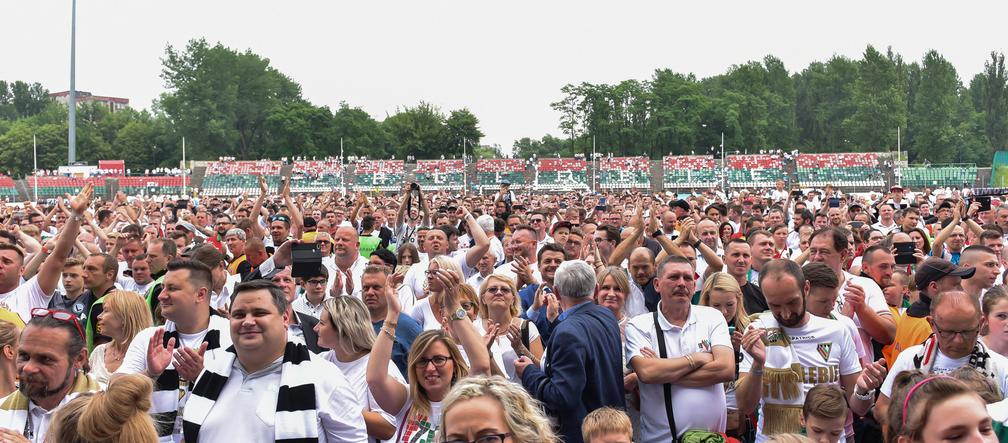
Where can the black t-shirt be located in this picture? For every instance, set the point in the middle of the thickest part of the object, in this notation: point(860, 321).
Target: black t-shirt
point(753, 299)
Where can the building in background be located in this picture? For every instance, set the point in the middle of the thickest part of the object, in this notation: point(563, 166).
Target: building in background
point(114, 104)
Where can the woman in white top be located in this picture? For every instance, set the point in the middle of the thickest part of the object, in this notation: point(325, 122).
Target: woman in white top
point(434, 363)
point(722, 292)
point(124, 314)
point(995, 311)
point(345, 328)
point(427, 310)
point(506, 333)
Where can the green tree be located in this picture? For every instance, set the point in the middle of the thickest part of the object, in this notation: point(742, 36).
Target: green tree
point(932, 119)
point(879, 100)
point(418, 131)
point(361, 134)
point(220, 98)
point(22, 99)
point(462, 126)
point(989, 91)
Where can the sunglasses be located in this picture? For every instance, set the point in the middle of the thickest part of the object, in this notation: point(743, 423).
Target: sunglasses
point(62, 316)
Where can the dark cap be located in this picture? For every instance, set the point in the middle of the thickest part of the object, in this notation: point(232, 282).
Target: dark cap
point(680, 204)
point(935, 268)
point(309, 222)
point(561, 224)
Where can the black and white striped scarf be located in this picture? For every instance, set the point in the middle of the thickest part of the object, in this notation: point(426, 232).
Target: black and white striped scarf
point(296, 399)
point(167, 397)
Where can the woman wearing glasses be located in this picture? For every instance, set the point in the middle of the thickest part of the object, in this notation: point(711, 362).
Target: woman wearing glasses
point(493, 410)
point(124, 315)
point(427, 310)
point(345, 328)
point(507, 335)
point(435, 363)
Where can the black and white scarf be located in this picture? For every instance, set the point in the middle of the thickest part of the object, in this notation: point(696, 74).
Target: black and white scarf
point(979, 359)
point(296, 398)
point(166, 398)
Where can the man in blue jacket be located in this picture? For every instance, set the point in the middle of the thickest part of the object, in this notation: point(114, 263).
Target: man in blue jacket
point(583, 369)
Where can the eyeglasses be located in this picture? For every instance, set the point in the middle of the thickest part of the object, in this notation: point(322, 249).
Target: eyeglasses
point(468, 305)
point(498, 290)
point(438, 360)
point(495, 438)
point(966, 334)
point(316, 282)
point(62, 316)
point(536, 220)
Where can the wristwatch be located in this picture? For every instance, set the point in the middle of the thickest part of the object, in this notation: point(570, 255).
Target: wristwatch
point(459, 314)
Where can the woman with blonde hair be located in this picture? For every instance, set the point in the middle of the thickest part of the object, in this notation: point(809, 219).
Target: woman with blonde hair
point(345, 328)
point(427, 311)
point(508, 335)
point(9, 333)
point(613, 288)
point(491, 410)
point(722, 292)
point(118, 414)
point(435, 362)
point(124, 315)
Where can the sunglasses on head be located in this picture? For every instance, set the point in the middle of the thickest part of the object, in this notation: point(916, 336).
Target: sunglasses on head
point(62, 316)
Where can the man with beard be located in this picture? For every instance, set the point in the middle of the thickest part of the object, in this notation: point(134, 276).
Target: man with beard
point(738, 258)
point(533, 300)
point(788, 341)
point(642, 297)
point(51, 358)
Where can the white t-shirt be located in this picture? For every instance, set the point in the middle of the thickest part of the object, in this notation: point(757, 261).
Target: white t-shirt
point(507, 270)
point(356, 375)
point(416, 279)
point(418, 429)
point(942, 365)
point(874, 298)
point(27, 296)
point(704, 329)
point(505, 356)
point(823, 348)
point(424, 315)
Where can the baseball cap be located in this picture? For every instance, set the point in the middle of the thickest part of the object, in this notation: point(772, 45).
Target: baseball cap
point(935, 268)
point(683, 204)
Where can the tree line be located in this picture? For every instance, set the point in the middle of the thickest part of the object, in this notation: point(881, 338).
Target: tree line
point(233, 103)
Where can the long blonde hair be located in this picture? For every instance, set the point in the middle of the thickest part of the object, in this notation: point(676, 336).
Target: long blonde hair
point(133, 311)
point(722, 281)
point(522, 413)
point(421, 402)
point(118, 414)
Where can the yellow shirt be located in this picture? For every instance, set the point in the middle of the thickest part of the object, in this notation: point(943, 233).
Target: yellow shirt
point(910, 331)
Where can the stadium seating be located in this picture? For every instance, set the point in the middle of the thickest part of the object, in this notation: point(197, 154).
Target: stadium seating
point(51, 186)
point(231, 178)
point(317, 176)
point(953, 175)
point(561, 174)
point(754, 170)
point(440, 174)
point(152, 185)
point(8, 192)
point(490, 173)
point(847, 169)
point(381, 175)
point(689, 171)
point(624, 173)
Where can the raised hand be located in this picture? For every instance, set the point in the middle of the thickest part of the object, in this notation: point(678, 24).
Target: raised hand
point(80, 203)
point(159, 356)
point(871, 377)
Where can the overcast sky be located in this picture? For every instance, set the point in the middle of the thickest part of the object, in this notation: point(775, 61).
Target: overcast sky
point(506, 61)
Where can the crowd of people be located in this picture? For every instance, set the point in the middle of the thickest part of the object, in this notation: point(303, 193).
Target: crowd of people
point(778, 315)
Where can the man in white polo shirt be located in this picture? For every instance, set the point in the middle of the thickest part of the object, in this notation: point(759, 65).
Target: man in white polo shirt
point(694, 356)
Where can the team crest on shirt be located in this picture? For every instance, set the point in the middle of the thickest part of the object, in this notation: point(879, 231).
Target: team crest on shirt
point(824, 350)
point(704, 346)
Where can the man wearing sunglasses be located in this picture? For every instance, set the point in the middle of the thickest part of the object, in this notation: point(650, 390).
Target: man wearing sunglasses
point(51, 356)
point(20, 297)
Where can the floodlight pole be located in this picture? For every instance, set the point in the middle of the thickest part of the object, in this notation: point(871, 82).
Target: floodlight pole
point(72, 96)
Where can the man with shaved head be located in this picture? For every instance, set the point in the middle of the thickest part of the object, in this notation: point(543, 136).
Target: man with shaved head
point(707, 230)
point(349, 263)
